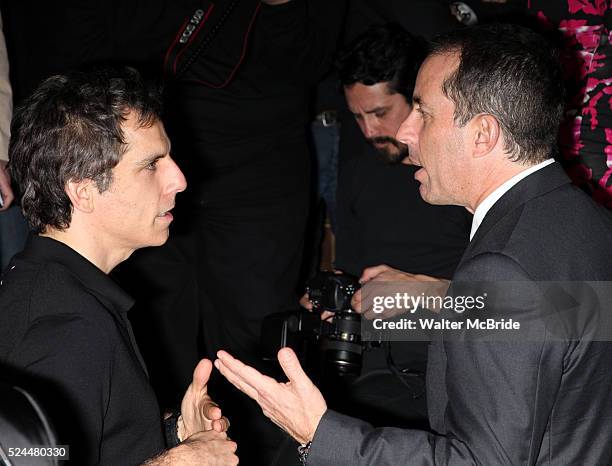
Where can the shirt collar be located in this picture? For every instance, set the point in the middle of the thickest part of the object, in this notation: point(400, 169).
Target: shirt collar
point(41, 248)
point(492, 198)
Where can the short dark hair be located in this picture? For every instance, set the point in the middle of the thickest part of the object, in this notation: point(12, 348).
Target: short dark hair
point(70, 129)
point(383, 54)
point(512, 73)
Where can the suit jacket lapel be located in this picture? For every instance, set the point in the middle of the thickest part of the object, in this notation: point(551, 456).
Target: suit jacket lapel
point(541, 182)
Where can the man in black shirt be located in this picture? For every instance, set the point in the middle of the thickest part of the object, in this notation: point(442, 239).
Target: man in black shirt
point(91, 159)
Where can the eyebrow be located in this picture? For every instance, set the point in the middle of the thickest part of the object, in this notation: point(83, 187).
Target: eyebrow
point(154, 157)
point(375, 110)
point(378, 109)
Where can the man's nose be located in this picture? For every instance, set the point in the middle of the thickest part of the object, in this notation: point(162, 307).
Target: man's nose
point(177, 182)
point(406, 133)
point(370, 130)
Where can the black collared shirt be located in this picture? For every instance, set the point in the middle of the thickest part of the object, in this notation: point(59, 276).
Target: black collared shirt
point(64, 323)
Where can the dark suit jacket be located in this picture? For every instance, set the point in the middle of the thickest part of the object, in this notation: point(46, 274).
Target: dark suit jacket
point(490, 403)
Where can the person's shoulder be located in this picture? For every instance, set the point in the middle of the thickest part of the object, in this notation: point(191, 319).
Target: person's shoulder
point(45, 303)
point(565, 218)
point(562, 234)
point(49, 289)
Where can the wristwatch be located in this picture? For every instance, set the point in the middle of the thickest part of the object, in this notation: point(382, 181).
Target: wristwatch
point(171, 429)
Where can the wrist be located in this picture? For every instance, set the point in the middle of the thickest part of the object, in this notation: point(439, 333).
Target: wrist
point(171, 429)
point(180, 428)
point(316, 420)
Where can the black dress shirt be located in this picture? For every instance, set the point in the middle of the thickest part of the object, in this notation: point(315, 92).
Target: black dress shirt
point(63, 322)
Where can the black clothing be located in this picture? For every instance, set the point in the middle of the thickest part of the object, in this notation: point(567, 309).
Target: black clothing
point(239, 135)
point(424, 18)
point(64, 321)
point(382, 219)
point(47, 38)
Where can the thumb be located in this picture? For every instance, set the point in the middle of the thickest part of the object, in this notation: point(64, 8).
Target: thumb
point(372, 272)
point(291, 366)
point(201, 374)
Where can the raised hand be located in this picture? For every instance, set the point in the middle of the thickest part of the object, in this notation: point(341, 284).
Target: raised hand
point(198, 411)
point(296, 406)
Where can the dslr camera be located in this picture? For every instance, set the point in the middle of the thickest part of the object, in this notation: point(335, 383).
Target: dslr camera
point(333, 345)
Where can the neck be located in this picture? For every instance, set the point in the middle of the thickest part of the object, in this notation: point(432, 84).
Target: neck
point(495, 176)
point(90, 247)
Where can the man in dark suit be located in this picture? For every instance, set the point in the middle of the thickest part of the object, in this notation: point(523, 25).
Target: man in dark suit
point(487, 103)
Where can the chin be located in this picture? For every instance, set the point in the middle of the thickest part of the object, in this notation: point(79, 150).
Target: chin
point(426, 195)
point(159, 239)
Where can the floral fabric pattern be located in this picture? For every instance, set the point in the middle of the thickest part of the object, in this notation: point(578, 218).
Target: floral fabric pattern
point(586, 132)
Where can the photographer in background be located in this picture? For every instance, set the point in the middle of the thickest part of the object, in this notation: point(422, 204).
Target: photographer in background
point(383, 220)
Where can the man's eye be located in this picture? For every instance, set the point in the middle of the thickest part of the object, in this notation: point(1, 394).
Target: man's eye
point(152, 166)
point(380, 114)
point(421, 112)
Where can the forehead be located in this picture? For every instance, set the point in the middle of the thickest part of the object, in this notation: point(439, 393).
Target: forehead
point(144, 139)
point(434, 70)
point(368, 97)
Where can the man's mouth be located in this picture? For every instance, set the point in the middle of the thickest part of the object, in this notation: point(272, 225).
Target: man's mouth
point(166, 214)
point(419, 172)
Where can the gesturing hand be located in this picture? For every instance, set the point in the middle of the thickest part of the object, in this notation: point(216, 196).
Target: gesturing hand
point(296, 406)
point(198, 411)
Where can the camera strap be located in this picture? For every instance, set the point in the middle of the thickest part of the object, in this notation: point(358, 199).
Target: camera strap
point(211, 44)
point(405, 374)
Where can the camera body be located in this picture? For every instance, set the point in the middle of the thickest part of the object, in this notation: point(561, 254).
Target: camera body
point(321, 345)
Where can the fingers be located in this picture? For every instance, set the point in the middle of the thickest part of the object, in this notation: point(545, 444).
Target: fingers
point(326, 315)
point(211, 410)
point(372, 272)
point(291, 366)
point(305, 302)
point(356, 301)
point(221, 425)
point(244, 378)
point(236, 381)
point(201, 374)
point(7, 200)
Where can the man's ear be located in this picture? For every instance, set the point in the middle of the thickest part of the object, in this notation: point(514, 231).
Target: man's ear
point(81, 194)
point(487, 134)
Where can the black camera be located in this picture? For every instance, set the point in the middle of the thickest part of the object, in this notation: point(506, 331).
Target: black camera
point(321, 345)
